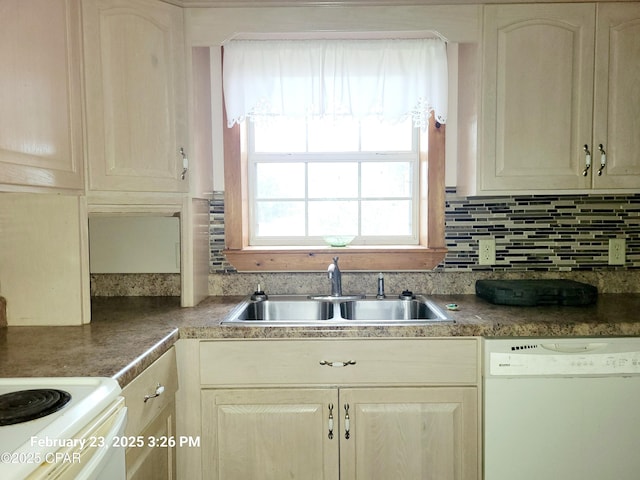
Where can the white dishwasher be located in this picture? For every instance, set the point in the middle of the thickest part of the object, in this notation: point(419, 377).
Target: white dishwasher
point(562, 408)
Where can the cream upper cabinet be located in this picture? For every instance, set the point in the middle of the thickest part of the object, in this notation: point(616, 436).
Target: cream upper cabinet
point(558, 81)
point(537, 97)
point(136, 97)
point(616, 123)
point(40, 95)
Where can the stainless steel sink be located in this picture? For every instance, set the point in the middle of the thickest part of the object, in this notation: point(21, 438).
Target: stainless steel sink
point(299, 310)
point(391, 309)
point(285, 310)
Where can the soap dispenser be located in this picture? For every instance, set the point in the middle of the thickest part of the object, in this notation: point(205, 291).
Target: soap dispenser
point(259, 295)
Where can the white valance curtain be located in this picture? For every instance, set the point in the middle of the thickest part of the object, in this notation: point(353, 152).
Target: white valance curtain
point(390, 79)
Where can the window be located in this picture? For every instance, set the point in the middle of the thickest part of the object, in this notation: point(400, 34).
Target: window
point(289, 182)
point(309, 179)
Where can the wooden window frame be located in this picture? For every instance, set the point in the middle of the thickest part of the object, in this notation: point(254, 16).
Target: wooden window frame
point(429, 252)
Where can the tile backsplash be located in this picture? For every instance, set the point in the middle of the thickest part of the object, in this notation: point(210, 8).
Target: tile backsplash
point(537, 236)
point(543, 233)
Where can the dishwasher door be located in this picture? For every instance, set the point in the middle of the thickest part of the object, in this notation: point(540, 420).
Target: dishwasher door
point(547, 415)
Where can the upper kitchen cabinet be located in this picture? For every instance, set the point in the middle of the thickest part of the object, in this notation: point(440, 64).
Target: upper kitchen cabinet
point(617, 97)
point(40, 95)
point(559, 100)
point(136, 96)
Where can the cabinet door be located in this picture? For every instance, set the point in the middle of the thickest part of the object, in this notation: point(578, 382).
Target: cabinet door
point(134, 55)
point(40, 94)
point(617, 95)
point(269, 434)
point(410, 433)
point(155, 460)
point(44, 258)
point(537, 96)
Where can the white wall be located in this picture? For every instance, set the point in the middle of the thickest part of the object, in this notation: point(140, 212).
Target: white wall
point(134, 244)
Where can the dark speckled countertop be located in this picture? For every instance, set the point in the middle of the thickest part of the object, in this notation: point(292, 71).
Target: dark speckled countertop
point(127, 334)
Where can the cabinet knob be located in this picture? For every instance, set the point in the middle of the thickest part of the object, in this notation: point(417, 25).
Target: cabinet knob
point(159, 391)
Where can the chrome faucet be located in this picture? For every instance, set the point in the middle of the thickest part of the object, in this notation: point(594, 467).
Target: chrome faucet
point(333, 272)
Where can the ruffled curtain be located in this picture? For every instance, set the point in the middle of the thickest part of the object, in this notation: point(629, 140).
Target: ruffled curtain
point(388, 79)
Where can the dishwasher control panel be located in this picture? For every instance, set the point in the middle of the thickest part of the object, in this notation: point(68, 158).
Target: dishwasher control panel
point(572, 357)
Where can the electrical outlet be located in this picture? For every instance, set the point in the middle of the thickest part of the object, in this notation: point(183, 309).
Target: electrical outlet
point(487, 252)
point(617, 254)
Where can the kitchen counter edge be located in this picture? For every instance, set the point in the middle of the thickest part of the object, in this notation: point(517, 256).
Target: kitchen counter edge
point(127, 334)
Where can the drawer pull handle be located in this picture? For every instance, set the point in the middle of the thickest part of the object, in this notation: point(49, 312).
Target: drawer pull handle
point(337, 364)
point(159, 391)
point(347, 423)
point(330, 421)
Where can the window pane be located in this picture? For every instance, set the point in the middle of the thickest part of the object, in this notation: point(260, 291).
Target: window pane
point(280, 180)
point(333, 135)
point(333, 180)
point(333, 218)
point(386, 179)
point(280, 219)
point(386, 217)
point(332, 177)
point(380, 136)
point(279, 135)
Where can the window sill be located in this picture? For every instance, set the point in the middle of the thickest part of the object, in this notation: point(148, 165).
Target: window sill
point(352, 258)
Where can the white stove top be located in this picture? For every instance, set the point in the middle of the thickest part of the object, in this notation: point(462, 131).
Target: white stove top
point(89, 397)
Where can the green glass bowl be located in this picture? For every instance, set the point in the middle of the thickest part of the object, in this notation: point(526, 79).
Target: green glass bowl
point(338, 240)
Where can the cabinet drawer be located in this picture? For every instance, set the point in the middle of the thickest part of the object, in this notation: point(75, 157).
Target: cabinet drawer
point(284, 362)
point(140, 413)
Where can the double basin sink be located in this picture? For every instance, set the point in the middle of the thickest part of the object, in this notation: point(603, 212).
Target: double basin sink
point(290, 310)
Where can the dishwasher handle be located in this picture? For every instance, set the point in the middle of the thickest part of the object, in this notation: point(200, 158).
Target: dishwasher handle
point(574, 347)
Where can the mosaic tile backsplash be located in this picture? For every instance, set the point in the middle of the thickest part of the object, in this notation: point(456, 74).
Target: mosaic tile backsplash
point(543, 233)
point(541, 236)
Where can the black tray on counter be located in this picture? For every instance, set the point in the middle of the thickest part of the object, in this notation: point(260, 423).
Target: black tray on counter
point(536, 292)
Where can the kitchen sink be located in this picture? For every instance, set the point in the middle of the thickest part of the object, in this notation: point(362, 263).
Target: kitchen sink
point(376, 310)
point(300, 310)
point(286, 310)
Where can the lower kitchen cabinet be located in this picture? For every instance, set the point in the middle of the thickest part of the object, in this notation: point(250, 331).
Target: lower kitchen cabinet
point(154, 462)
point(409, 433)
point(269, 434)
point(350, 433)
point(151, 421)
point(340, 409)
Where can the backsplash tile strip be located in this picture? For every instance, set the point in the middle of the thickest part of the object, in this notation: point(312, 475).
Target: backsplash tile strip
point(535, 233)
point(217, 261)
point(541, 236)
point(541, 232)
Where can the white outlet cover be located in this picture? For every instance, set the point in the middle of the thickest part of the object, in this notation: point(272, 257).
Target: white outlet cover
point(487, 252)
point(617, 254)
